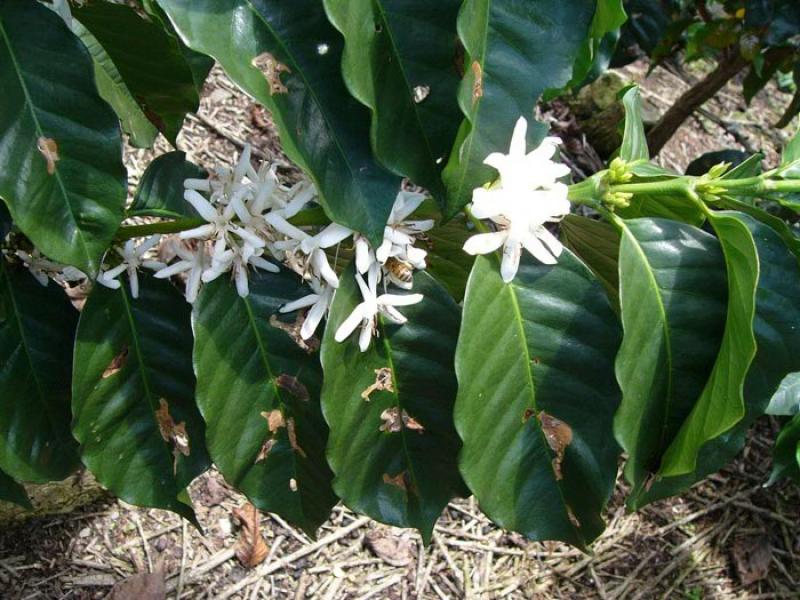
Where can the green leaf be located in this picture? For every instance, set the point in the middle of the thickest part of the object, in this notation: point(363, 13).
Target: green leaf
point(406, 477)
point(399, 61)
point(140, 432)
point(634, 140)
point(786, 455)
point(778, 225)
point(609, 16)
point(142, 133)
point(446, 259)
point(778, 343)
point(786, 399)
point(160, 191)
point(596, 244)
point(50, 102)
point(37, 326)
point(322, 128)
point(248, 366)
point(149, 61)
point(672, 295)
point(510, 60)
point(721, 406)
point(674, 208)
point(537, 397)
point(11, 491)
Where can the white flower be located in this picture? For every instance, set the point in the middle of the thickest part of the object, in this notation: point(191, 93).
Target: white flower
point(366, 313)
point(311, 246)
point(319, 301)
point(40, 267)
point(527, 197)
point(399, 235)
point(194, 261)
point(132, 259)
point(238, 260)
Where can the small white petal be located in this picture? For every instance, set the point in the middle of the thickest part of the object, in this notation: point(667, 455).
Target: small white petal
point(109, 283)
point(550, 241)
point(313, 319)
point(364, 258)
point(242, 286)
point(510, 263)
point(200, 204)
point(332, 235)
point(284, 227)
point(398, 300)
point(319, 262)
point(483, 243)
point(203, 231)
point(201, 185)
point(261, 263)
point(518, 138)
point(303, 302)
point(393, 315)
point(248, 236)
point(133, 278)
point(536, 248)
point(179, 267)
point(384, 250)
point(365, 337)
point(114, 273)
point(349, 325)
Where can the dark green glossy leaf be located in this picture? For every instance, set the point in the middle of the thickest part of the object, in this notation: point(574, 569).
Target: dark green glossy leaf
point(721, 405)
point(509, 61)
point(11, 491)
point(149, 61)
point(446, 259)
point(786, 399)
point(247, 367)
point(70, 207)
point(786, 455)
point(672, 296)
point(141, 132)
point(609, 16)
point(780, 226)
point(537, 397)
point(406, 477)
point(297, 56)
point(160, 191)
point(140, 432)
point(597, 244)
point(634, 140)
point(674, 208)
point(778, 342)
point(399, 60)
point(37, 326)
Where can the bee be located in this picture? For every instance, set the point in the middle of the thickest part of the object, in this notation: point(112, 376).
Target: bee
point(399, 270)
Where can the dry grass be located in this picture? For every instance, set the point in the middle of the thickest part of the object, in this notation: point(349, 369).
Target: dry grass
point(679, 548)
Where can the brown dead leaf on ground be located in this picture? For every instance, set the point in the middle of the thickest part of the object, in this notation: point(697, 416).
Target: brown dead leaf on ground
point(142, 586)
point(394, 550)
point(251, 549)
point(751, 558)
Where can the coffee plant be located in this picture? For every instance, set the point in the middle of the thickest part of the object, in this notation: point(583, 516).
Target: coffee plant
point(434, 310)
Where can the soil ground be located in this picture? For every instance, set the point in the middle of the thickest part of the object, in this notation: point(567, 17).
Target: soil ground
point(729, 537)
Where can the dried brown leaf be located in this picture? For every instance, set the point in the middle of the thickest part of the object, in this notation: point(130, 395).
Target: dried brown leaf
point(142, 586)
point(392, 549)
point(274, 419)
point(751, 558)
point(251, 549)
point(558, 435)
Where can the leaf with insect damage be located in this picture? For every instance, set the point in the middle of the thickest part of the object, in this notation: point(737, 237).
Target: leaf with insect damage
point(140, 431)
point(537, 396)
point(505, 78)
point(268, 385)
point(395, 455)
point(288, 56)
point(60, 144)
point(37, 328)
point(251, 549)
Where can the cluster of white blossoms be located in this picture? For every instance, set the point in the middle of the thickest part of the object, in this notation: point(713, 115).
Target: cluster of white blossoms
point(527, 196)
point(43, 269)
point(247, 217)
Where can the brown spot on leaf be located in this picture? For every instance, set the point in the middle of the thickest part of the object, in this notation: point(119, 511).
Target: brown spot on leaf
point(290, 430)
point(293, 331)
point(274, 420)
point(529, 412)
point(116, 364)
point(558, 435)
point(173, 433)
point(266, 448)
point(395, 420)
point(251, 549)
point(572, 518)
point(271, 68)
point(49, 149)
point(477, 85)
point(398, 480)
point(383, 382)
point(293, 386)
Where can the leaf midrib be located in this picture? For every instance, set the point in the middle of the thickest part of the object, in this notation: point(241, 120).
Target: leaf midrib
point(56, 172)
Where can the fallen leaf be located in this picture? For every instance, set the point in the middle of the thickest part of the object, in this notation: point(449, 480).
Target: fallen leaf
point(751, 558)
point(49, 149)
point(142, 586)
point(383, 382)
point(394, 550)
point(251, 549)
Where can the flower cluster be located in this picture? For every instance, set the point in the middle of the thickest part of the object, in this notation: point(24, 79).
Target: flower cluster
point(527, 196)
point(247, 214)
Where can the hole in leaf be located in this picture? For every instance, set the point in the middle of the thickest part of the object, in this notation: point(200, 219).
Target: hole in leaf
point(271, 68)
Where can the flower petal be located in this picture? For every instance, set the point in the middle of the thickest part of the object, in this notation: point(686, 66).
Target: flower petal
point(483, 243)
point(303, 302)
point(349, 325)
point(313, 319)
point(365, 337)
point(200, 204)
point(510, 263)
point(399, 300)
point(518, 138)
point(536, 248)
